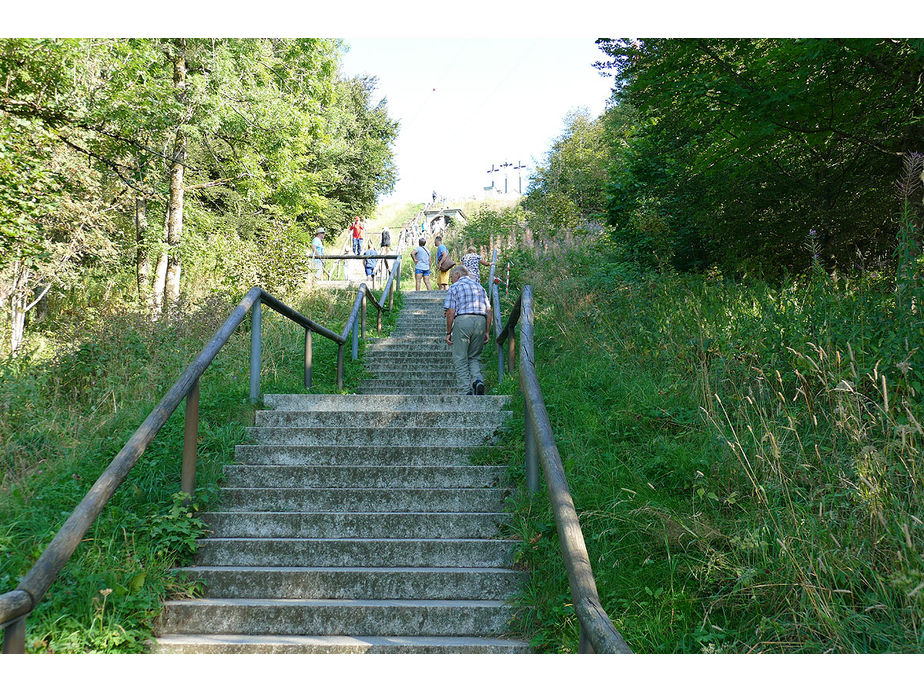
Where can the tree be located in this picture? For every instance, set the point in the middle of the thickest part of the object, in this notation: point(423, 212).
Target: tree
point(746, 145)
point(231, 143)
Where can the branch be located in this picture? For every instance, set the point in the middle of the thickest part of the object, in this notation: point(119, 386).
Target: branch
point(213, 183)
point(36, 301)
point(111, 164)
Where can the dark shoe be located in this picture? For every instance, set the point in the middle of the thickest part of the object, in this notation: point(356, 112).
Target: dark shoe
point(478, 387)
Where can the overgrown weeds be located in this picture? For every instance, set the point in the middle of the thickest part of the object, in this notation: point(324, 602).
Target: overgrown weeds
point(745, 458)
point(66, 411)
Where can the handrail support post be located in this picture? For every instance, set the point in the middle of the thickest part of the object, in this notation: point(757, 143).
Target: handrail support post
point(190, 441)
point(14, 637)
point(585, 646)
point(362, 312)
point(255, 345)
point(309, 355)
point(340, 366)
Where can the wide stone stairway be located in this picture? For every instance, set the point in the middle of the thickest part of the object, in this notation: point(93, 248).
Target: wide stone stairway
point(356, 523)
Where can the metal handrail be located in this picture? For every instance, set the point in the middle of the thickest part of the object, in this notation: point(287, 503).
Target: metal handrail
point(597, 632)
point(17, 604)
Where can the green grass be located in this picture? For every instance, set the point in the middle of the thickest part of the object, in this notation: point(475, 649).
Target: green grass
point(68, 409)
point(744, 479)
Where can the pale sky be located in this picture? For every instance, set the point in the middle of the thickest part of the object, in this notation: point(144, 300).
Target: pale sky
point(466, 105)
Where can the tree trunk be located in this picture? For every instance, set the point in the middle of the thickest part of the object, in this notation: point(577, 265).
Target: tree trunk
point(142, 262)
point(175, 220)
point(160, 277)
point(18, 297)
point(177, 169)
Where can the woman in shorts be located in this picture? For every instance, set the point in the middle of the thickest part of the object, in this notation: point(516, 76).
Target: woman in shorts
point(421, 258)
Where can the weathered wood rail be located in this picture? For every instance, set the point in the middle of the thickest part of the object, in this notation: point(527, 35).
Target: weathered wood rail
point(597, 632)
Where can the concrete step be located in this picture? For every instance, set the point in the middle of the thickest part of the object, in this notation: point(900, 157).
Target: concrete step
point(433, 345)
point(313, 582)
point(397, 419)
point(364, 476)
point(419, 370)
point(435, 337)
point(391, 356)
point(424, 356)
point(387, 403)
point(436, 387)
point(486, 500)
point(345, 525)
point(407, 377)
point(336, 617)
point(370, 388)
point(409, 383)
point(370, 437)
point(447, 553)
point(412, 296)
point(434, 321)
point(418, 326)
point(350, 455)
point(334, 644)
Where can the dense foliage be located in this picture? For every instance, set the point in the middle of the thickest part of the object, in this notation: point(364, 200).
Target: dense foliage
point(745, 458)
point(745, 455)
point(216, 157)
point(732, 152)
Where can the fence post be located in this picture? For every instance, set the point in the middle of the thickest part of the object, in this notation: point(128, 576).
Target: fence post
point(340, 366)
point(532, 454)
point(308, 357)
point(255, 344)
point(362, 312)
point(190, 441)
point(14, 637)
point(584, 644)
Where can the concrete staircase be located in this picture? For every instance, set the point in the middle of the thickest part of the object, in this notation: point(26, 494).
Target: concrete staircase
point(355, 523)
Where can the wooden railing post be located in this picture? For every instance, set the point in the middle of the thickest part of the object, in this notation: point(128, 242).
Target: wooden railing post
point(511, 353)
point(309, 354)
point(397, 284)
point(584, 644)
point(190, 441)
point(255, 345)
point(14, 637)
point(355, 341)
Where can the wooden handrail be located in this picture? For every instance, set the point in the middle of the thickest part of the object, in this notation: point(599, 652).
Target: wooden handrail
point(597, 632)
point(17, 604)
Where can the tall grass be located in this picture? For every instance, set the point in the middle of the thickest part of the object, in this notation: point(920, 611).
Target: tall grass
point(70, 406)
point(745, 458)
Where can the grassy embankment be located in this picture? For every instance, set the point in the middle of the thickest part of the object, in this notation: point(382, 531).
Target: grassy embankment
point(745, 459)
point(67, 410)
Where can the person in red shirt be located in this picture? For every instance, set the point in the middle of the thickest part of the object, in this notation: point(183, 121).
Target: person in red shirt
point(357, 229)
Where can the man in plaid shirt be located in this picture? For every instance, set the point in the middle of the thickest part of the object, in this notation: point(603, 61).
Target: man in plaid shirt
point(468, 319)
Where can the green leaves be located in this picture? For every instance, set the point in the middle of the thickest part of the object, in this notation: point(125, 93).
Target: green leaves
point(748, 144)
